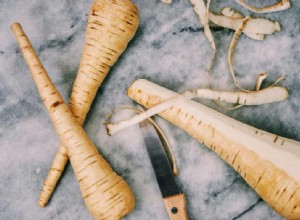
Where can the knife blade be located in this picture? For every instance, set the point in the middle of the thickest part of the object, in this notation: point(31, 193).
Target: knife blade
point(174, 200)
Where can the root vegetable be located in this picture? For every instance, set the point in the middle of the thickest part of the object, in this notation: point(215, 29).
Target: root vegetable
point(111, 25)
point(268, 163)
point(106, 195)
point(279, 6)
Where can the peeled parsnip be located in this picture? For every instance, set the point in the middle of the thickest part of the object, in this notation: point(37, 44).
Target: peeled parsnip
point(268, 163)
point(111, 25)
point(106, 195)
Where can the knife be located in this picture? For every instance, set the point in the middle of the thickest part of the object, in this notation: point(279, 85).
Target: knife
point(174, 200)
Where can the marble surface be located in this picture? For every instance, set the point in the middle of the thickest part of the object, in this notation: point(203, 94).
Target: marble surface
point(169, 49)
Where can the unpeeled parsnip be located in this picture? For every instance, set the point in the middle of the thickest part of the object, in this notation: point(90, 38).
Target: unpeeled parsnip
point(111, 25)
point(106, 195)
point(269, 163)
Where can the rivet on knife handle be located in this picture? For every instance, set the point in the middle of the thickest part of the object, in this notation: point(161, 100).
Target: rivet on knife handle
point(176, 207)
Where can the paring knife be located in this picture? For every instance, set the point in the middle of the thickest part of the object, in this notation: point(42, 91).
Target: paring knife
point(173, 199)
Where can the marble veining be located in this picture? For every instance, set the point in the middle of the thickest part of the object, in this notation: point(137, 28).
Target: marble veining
point(170, 49)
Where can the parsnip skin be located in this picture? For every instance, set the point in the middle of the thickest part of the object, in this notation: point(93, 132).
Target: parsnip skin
point(111, 25)
point(268, 95)
point(277, 185)
point(256, 28)
point(279, 6)
point(106, 195)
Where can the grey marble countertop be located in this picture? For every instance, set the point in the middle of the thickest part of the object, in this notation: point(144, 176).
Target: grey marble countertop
point(170, 49)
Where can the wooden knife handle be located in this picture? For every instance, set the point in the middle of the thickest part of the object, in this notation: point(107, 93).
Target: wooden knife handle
point(176, 207)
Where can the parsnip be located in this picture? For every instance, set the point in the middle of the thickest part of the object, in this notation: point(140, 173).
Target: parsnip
point(279, 6)
point(269, 163)
point(106, 195)
point(111, 25)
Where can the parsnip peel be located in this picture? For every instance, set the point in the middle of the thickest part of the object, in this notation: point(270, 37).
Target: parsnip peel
point(232, 47)
point(268, 95)
point(279, 6)
point(256, 28)
point(201, 11)
point(229, 12)
point(167, 1)
point(168, 147)
point(261, 77)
